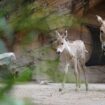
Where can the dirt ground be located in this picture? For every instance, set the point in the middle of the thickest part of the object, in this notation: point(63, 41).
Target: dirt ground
point(49, 94)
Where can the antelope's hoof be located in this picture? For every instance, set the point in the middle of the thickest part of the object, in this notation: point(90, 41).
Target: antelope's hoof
point(60, 89)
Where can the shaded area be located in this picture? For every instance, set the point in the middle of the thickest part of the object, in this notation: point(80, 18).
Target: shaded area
point(97, 57)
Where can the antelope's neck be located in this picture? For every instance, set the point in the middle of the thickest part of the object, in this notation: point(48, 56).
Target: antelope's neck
point(69, 49)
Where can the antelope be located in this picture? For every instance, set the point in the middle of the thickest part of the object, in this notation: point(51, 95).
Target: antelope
point(74, 56)
point(102, 32)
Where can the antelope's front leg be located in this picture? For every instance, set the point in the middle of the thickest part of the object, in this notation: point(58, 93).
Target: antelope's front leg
point(64, 78)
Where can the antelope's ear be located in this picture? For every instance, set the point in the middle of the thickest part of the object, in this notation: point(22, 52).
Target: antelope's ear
point(66, 33)
point(58, 34)
point(99, 19)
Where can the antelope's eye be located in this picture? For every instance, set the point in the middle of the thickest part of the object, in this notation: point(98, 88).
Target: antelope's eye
point(61, 43)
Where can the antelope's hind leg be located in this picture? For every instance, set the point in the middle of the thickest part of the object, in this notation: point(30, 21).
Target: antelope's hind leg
point(86, 82)
point(79, 73)
point(76, 74)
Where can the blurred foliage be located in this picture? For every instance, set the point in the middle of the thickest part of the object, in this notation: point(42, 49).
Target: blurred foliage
point(31, 18)
point(2, 47)
point(48, 66)
point(5, 77)
point(53, 72)
point(7, 100)
point(42, 20)
point(24, 76)
point(50, 69)
point(28, 18)
point(7, 80)
point(29, 38)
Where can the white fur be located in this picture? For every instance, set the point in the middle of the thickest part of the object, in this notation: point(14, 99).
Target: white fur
point(99, 19)
point(102, 32)
point(75, 54)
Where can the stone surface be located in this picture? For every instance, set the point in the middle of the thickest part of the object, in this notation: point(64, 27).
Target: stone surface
point(50, 95)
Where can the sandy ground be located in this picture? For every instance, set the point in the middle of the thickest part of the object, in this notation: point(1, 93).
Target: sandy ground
point(49, 94)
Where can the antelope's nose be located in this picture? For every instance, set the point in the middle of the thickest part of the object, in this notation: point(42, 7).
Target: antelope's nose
point(58, 52)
